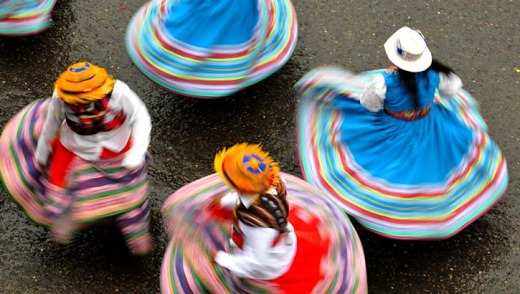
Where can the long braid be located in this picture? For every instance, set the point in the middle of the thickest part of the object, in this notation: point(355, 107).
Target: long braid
point(410, 82)
point(439, 67)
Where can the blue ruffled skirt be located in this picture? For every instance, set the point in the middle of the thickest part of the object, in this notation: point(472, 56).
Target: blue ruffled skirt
point(422, 179)
point(211, 48)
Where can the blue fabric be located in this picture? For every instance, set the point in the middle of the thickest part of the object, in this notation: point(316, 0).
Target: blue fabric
point(397, 96)
point(210, 23)
point(421, 151)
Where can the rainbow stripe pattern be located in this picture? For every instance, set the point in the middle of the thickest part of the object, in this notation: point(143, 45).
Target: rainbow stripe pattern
point(93, 193)
point(25, 17)
point(211, 48)
point(188, 266)
point(326, 117)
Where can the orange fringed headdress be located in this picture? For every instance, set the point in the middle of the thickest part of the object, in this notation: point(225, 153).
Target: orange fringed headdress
point(247, 168)
point(83, 82)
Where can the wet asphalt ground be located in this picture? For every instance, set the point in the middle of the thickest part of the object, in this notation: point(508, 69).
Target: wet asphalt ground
point(479, 39)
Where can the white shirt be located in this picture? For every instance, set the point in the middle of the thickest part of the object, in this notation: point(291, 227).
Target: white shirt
point(258, 259)
point(137, 125)
point(374, 94)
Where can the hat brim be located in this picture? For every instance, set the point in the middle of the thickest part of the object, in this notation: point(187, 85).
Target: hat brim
point(218, 165)
point(418, 65)
point(85, 85)
point(87, 97)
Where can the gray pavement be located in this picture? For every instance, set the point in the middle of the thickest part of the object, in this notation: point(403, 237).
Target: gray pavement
point(479, 39)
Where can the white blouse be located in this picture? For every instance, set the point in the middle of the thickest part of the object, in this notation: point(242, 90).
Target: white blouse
point(89, 147)
point(373, 96)
point(258, 259)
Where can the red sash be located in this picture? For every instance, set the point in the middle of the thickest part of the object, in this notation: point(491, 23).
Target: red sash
point(62, 157)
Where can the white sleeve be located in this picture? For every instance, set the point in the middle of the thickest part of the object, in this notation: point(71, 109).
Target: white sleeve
point(250, 261)
point(373, 96)
point(53, 120)
point(140, 123)
point(449, 84)
point(229, 200)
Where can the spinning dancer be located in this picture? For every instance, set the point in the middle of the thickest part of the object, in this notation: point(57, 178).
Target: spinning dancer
point(252, 229)
point(405, 151)
point(25, 17)
point(78, 157)
point(211, 48)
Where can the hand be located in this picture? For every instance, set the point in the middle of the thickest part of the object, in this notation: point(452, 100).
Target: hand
point(213, 253)
point(42, 158)
point(131, 162)
point(392, 68)
point(42, 163)
point(215, 201)
point(224, 200)
point(129, 166)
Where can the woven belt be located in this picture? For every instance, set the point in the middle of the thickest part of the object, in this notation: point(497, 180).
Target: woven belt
point(411, 114)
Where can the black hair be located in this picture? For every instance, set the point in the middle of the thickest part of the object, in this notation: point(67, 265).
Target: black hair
point(410, 82)
point(439, 67)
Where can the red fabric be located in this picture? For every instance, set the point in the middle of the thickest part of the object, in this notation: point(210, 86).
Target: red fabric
point(237, 238)
point(59, 162)
point(221, 214)
point(107, 154)
point(62, 157)
point(304, 274)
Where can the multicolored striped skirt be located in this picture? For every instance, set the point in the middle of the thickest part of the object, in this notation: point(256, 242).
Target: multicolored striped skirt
point(25, 17)
point(329, 257)
point(94, 191)
point(211, 48)
point(421, 191)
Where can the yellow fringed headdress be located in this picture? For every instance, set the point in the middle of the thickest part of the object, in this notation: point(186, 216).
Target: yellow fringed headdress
point(83, 82)
point(247, 168)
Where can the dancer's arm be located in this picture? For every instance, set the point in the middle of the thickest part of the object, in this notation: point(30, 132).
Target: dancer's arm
point(374, 95)
point(53, 120)
point(140, 122)
point(250, 261)
point(449, 84)
point(229, 201)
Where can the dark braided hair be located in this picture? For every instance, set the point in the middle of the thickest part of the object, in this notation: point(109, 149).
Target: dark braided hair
point(439, 67)
point(410, 78)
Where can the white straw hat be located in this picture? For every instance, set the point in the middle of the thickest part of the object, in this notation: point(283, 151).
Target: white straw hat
point(407, 50)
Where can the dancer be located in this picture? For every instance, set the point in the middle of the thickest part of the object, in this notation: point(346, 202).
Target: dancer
point(405, 151)
point(211, 48)
point(252, 229)
point(25, 17)
point(79, 157)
